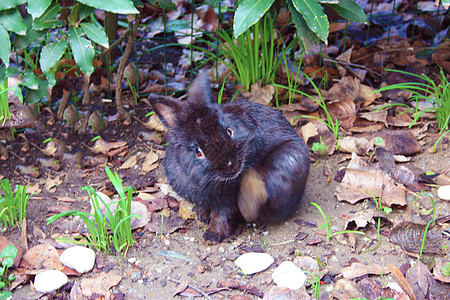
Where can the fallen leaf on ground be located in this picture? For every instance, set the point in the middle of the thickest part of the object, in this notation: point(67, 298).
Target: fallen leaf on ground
point(155, 123)
point(102, 146)
point(400, 142)
point(362, 181)
point(419, 279)
point(129, 163)
point(345, 289)
point(41, 257)
point(150, 161)
point(100, 284)
point(358, 145)
point(359, 269)
point(360, 219)
point(410, 235)
point(260, 94)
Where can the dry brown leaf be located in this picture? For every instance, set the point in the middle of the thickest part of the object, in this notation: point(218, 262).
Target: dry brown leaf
point(437, 270)
point(155, 123)
point(410, 235)
point(100, 284)
point(401, 280)
point(52, 183)
point(360, 219)
point(358, 145)
point(363, 125)
point(308, 130)
point(379, 116)
point(360, 179)
point(420, 280)
point(343, 110)
point(345, 289)
point(260, 94)
point(358, 269)
point(367, 94)
point(347, 87)
point(150, 162)
point(129, 163)
point(41, 257)
point(346, 56)
point(56, 148)
point(400, 142)
point(102, 146)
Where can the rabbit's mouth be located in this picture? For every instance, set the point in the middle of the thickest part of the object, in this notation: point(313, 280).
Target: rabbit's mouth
point(231, 171)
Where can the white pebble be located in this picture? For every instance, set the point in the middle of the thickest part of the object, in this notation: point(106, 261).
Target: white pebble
point(79, 258)
point(444, 192)
point(254, 262)
point(49, 280)
point(288, 275)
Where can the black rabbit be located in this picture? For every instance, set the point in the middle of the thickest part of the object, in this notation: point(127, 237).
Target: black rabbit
point(237, 162)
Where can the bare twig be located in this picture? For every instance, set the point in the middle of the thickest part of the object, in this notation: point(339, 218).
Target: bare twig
point(123, 61)
point(192, 287)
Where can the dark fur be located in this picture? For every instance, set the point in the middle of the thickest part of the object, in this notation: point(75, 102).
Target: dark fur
point(261, 170)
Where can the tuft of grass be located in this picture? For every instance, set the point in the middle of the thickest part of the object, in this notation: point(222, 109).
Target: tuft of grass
point(333, 125)
point(5, 114)
point(327, 224)
point(437, 94)
point(315, 282)
point(113, 225)
point(253, 56)
point(13, 205)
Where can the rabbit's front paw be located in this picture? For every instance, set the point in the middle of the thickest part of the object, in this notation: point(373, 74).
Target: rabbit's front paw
point(224, 224)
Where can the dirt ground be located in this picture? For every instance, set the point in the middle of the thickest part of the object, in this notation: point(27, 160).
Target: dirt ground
point(160, 263)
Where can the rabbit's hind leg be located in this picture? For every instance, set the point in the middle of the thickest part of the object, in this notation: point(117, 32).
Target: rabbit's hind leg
point(285, 171)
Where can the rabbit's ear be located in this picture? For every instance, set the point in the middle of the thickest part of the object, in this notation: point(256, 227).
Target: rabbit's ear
point(200, 91)
point(168, 109)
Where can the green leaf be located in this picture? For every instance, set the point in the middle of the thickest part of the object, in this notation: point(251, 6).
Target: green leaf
point(349, 10)
point(35, 96)
point(446, 269)
point(32, 35)
point(8, 262)
point(167, 4)
point(51, 53)
point(11, 20)
point(82, 50)
point(314, 16)
point(8, 4)
point(30, 80)
point(95, 33)
point(84, 11)
point(248, 13)
point(48, 18)
point(5, 47)
point(114, 6)
point(306, 37)
point(74, 15)
point(37, 7)
point(9, 251)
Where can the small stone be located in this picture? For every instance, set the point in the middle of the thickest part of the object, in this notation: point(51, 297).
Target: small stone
point(288, 275)
point(444, 192)
point(79, 258)
point(254, 262)
point(50, 280)
point(132, 260)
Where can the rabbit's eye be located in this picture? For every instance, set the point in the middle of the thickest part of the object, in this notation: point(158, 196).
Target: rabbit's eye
point(230, 132)
point(199, 152)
